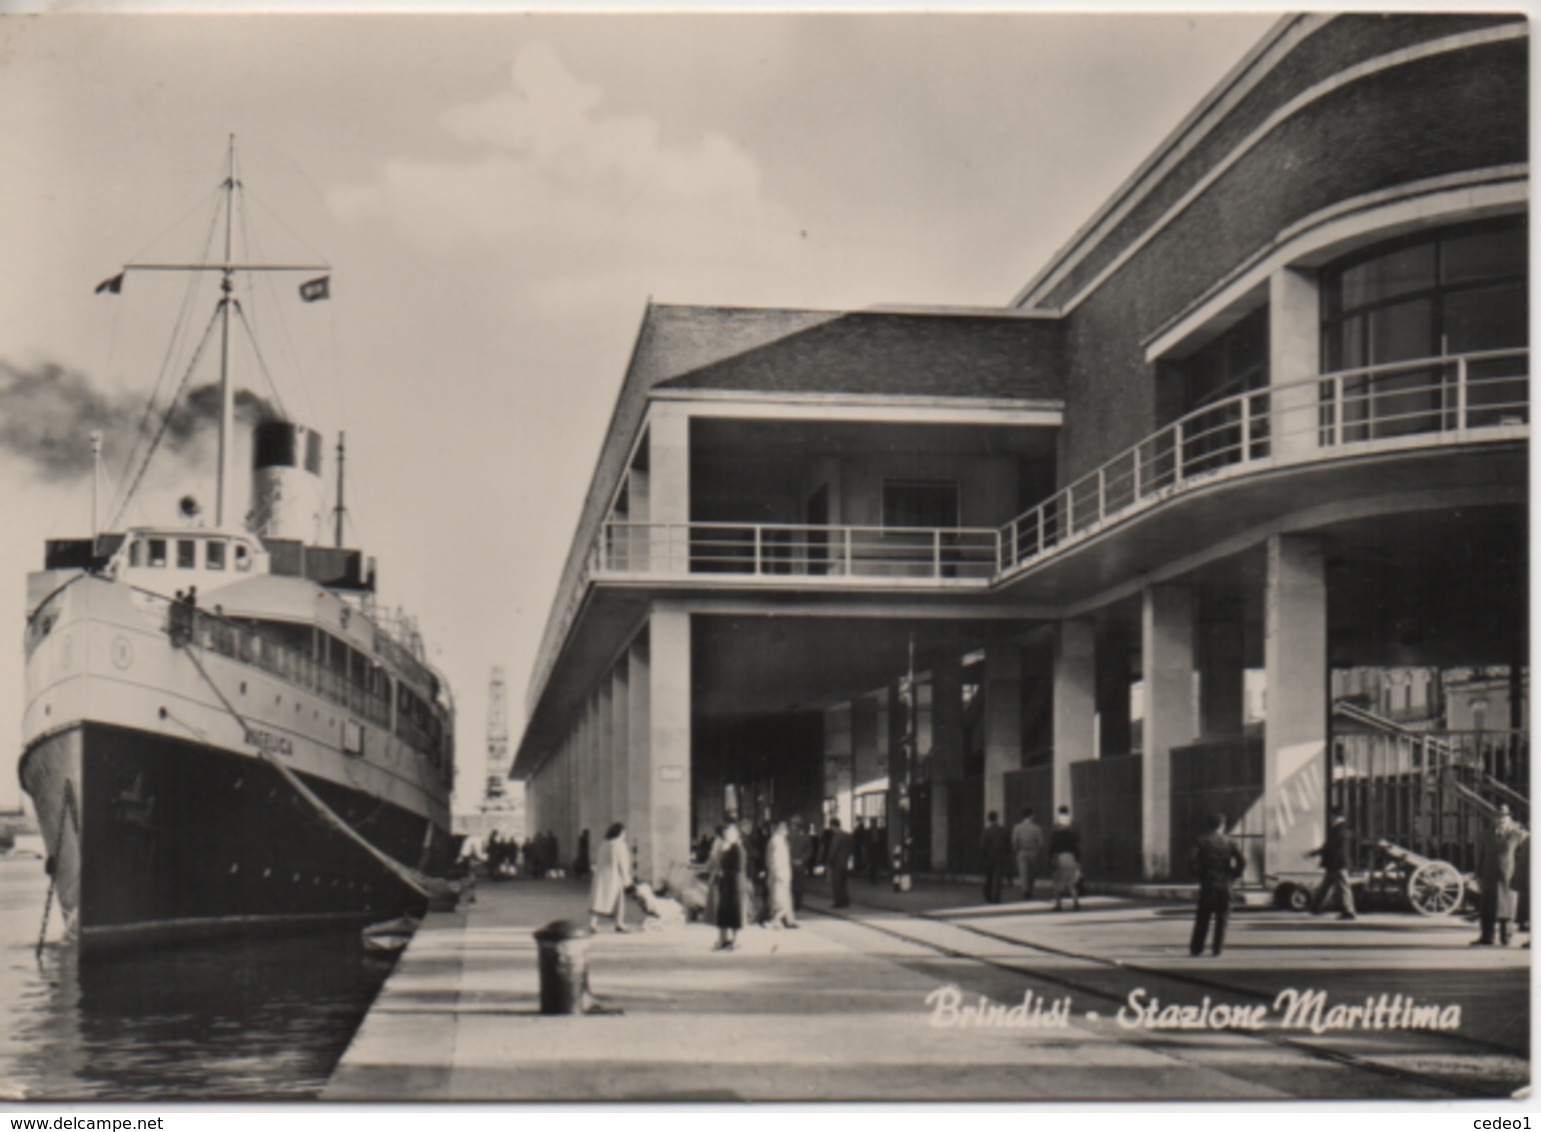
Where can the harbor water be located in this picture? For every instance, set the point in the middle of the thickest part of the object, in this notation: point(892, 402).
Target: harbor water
point(236, 1020)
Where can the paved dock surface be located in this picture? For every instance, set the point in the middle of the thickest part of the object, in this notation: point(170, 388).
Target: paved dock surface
point(852, 1006)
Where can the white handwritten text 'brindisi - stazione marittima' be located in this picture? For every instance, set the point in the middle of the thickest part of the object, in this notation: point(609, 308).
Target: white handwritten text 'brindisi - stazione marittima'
point(1291, 1009)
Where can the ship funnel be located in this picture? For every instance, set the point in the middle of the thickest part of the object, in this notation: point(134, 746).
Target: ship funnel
point(286, 481)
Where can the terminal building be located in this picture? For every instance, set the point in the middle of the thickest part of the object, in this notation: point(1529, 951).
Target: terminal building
point(1225, 511)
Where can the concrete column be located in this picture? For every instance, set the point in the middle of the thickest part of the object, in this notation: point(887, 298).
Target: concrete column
point(869, 762)
point(1294, 355)
point(567, 830)
point(838, 769)
point(639, 743)
point(1295, 731)
point(664, 838)
point(898, 709)
point(1222, 666)
point(534, 791)
point(605, 810)
point(1115, 730)
point(1171, 715)
point(947, 736)
point(1075, 702)
point(1002, 722)
point(620, 744)
point(947, 742)
point(575, 793)
point(668, 487)
point(584, 784)
point(561, 817)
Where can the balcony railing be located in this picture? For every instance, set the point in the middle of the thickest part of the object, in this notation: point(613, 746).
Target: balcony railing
point(772, 550)
point(1427, 402)
point(1405, 404)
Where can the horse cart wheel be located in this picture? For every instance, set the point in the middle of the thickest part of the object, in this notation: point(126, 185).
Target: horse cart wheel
point(1436, 888)
point(1295, 897)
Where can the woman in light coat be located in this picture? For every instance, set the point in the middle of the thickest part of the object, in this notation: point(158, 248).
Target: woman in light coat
point(778, 870)
point(612, 879)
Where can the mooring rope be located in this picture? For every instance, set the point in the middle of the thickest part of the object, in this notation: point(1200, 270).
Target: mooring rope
point(420, 883)
point(53, 861)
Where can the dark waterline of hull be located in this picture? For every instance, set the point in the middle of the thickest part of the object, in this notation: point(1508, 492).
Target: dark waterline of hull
point(242, 1019)
point(181, 839)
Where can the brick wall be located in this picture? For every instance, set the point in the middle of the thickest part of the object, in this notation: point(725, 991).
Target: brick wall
point(1421, 120)
point(1338, 45)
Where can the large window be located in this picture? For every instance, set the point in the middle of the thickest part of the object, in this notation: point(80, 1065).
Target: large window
point(1455, 291)
point(1235, 362)
point(1217, 374)
point(920, 503)
point(929, 505)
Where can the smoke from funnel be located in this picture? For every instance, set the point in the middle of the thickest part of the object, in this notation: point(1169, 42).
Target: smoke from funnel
point(48, 413)
point(198, 413)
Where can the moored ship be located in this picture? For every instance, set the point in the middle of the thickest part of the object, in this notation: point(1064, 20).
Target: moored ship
point(222, 730)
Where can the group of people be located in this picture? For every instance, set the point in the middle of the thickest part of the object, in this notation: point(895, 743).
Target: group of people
point(758, 875)
point(1023, 851)
point(1218, 863)
point(536, 857)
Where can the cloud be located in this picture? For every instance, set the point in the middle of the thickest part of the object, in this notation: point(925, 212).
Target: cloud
point(564, 183)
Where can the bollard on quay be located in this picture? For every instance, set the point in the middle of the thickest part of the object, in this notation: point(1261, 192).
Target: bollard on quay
point(564, 971)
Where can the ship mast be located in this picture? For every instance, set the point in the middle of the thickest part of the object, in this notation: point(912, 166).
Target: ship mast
point(340, 510)
point(227, 270)
point(226, 394)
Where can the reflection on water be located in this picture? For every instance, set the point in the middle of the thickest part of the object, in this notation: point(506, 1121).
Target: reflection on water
point(237, 1019)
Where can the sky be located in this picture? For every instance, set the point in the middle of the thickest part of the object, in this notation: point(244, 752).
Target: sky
point(498, 196)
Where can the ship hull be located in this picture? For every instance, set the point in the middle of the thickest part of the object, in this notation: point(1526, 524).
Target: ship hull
point(153, 838)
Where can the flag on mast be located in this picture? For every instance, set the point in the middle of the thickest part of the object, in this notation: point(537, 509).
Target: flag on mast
point(315, 289)
point(111, 286)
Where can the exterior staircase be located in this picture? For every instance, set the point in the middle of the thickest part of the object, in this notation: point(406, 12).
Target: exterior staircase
point(1433, 792)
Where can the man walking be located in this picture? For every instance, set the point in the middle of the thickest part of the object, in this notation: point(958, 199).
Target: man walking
point(995, 848)
point(1334, 855)
point(1065, 858)
point(1217, 862)
point(800, 846)
point(1027, 844)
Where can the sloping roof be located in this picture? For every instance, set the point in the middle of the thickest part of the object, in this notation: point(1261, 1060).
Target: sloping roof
point(869, 353)
point(940, 353)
